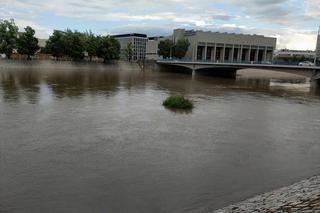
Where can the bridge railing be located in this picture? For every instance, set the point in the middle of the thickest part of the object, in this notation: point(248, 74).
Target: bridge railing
point(228, 62)
point(212, 61)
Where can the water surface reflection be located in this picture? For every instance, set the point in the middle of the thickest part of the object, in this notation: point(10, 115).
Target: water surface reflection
point(96, 138)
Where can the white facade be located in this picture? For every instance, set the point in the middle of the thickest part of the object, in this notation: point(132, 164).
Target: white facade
point(219, 47)
point(139, 43)
point(227, 47)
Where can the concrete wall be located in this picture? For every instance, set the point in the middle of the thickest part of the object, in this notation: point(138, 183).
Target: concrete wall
point(227, 46)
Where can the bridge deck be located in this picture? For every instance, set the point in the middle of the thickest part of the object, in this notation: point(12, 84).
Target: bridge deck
point(239, 65)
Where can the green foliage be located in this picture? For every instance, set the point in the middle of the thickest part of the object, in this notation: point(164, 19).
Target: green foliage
point(8, 37)
point(67, 43)
point(129, 51)
point(56, 44)
point(181, 48)
point(74, 44)
point(168, 49)
point(108, 48)
point(91, 44)
point(28, 44)
point(178, 102)
point(165, 48)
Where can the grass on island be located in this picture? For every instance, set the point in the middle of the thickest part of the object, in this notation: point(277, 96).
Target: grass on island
point(178, 102)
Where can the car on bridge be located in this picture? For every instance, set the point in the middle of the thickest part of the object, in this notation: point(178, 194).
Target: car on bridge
point(306, 63)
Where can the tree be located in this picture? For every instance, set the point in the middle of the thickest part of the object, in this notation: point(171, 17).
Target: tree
point(74, 44)
point(91, 44)
point(67, 43)
point(108, 48)
point(28, 44)
point(56, 44)
point(129, 51)
point(165, 48)
point(181, 48)
point(8, 37)
point(168, 49)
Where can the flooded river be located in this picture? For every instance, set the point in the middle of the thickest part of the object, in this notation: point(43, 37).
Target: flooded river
point(95, 138)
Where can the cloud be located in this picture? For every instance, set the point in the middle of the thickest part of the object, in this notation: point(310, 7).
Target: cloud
point(312, 9)
point(286, 19)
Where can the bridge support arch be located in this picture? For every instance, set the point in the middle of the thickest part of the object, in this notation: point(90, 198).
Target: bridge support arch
point(193, 69)
point(177, 69)
point(224, 72)
point(229, 70)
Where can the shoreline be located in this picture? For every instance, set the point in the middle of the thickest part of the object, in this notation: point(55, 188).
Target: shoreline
point(303, 196)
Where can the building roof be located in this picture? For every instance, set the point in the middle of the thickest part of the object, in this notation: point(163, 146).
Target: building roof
point(130, 35)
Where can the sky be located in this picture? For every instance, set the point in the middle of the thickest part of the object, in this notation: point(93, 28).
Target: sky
point(293, 22)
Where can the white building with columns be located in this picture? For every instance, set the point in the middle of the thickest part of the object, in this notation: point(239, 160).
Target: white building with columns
point(227, 47)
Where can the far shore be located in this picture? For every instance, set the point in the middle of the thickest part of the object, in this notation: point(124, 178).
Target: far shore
point(125, 65)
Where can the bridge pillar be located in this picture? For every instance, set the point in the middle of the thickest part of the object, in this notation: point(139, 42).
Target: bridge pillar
point(193, 73)
point(315, 79)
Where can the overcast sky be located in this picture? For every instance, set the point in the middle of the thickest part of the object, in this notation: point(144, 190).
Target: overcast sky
point(293, 22)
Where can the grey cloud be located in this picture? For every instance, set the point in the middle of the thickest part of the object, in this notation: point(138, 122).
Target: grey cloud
point(222, 17)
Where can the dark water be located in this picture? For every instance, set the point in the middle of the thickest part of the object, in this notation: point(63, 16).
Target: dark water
point(91, 138)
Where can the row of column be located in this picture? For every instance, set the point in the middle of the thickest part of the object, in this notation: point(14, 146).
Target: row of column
point(233, 53)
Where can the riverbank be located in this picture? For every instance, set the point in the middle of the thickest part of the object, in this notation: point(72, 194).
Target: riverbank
point(303, 196)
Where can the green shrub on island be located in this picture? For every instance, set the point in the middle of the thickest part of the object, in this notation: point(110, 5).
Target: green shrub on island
point(178, 102)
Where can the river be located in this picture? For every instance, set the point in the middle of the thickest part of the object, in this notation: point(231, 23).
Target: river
point(96, 138)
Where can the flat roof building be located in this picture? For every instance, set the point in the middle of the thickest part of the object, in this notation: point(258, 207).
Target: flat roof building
point(139, 43)
point(226, 47)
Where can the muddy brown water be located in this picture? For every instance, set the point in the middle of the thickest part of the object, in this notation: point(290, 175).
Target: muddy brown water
point(95, 138)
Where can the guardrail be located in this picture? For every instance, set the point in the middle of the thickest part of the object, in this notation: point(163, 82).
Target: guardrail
point(231, 62)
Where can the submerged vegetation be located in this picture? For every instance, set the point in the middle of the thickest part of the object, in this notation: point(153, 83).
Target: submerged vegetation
point(178, 102)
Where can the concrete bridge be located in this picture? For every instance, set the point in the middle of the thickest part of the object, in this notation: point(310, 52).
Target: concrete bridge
point(230, 69)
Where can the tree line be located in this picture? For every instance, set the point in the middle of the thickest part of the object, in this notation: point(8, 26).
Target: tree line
point(76, 45)
point(25, 43)
point(168, 49)
point(61, 44)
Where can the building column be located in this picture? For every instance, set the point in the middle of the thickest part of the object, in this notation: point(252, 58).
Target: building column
point(196, 52)
point(240, 54)
point(205, 51)
point(249, 54)
point(264, 57)
point(256, 55)
point(223, 52)
point(232, 54)
point(213, 50)
point(215, 53)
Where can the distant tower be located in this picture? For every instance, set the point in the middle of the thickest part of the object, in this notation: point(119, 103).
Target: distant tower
point(317, 58)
